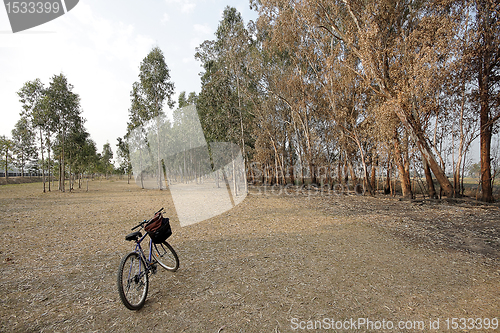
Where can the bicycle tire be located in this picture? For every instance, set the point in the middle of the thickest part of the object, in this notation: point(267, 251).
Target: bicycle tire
point(166, 256)
point(133, 281)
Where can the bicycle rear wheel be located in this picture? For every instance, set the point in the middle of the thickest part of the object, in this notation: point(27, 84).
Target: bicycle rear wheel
point(166, 256)
point(133, 281)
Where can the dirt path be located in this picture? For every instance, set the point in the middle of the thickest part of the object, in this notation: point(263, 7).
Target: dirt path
point(271, 264)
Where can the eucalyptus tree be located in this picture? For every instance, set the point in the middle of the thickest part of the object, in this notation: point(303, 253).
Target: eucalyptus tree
point(106, 159)
point(76, 152)
point(6, 146)
point(123, 153)
point(483, 61)
point(148, 97)
point(24, 148)
point(402, 47)
point(287, 95)
point(300, 67)
point(398, 46)
point(224, 102)
point(31, 96)
point(89, 159)
point(233, 44)
point(64, 107)
point(192, 98)
point(182, 100)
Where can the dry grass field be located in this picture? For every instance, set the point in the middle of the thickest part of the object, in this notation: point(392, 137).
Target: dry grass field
point(273, 263)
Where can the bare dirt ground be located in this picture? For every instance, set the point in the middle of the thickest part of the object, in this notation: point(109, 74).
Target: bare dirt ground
point(273, 263)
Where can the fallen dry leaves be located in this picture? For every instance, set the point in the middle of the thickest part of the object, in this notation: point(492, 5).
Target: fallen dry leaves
point(252, 269)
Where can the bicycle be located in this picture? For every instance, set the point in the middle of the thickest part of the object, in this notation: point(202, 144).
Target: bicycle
point(135, 267)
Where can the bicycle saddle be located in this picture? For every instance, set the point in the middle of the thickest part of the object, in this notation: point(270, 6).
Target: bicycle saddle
point(133, 236)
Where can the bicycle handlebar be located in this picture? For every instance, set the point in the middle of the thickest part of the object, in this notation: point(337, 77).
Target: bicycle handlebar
point(145, 221)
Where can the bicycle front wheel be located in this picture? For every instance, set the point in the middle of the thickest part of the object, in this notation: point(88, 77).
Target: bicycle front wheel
point(166, 256)
point(133, 281)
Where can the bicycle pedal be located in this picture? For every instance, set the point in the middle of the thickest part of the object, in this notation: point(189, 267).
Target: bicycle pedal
point(153, 268)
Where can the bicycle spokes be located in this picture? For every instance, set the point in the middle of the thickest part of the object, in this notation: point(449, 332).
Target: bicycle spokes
point(133, 281)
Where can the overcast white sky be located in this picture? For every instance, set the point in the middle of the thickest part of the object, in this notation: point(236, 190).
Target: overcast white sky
point(98, 46)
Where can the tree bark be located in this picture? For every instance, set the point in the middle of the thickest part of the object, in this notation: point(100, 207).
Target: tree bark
point(48, 157)
point(43, 164)
point(6, 165)
point(158, 149)
point(484, 97)
point(340, 177)
point(62, 167)
point(387, 187)
point(417, 134)
point(354, 178)
point(486, 132)
point(365, 169)
point(404, 177)
point(428, 178)
point(373, 180)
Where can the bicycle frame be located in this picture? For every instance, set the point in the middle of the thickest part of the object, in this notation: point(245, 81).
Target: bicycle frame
point(139, 250)
point(133, 286)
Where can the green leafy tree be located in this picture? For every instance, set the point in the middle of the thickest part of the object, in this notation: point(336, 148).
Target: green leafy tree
point(31, 96)
point(89, 159)
point(76, 153)
point(185, 101)
point(106, 159)
point(123, 152)
point(24, 147)
point(192, 98)
point(484, 61)
point(182, 102)
point(6, 146)
point(149, 96)
point(63, 106)
point(224, 101)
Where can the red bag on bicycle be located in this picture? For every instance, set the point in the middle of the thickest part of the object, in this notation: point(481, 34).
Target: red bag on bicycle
point(158, 228)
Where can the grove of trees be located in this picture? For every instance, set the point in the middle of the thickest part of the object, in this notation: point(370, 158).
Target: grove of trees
point(336, 93)
point(50, 139)
point(324, 91)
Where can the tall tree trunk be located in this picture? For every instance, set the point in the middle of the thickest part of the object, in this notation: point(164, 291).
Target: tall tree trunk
point(43, 164)
point(346, 172)
point(291, 162)
point(366, 181)
point(406, 154)
point(354, 178)
point(428, 178)
point(373, 174)
point(404, 177)
point(70, 178)
point(62, 168)
point(6, 165)
point(484, 98)
point(340, 177)
point(140, 167)
point(387, 187)
point(486, 132)
point(22, 163)
point(49, 161)
point(418, 136)
point(242, 131)
point(158, 151)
